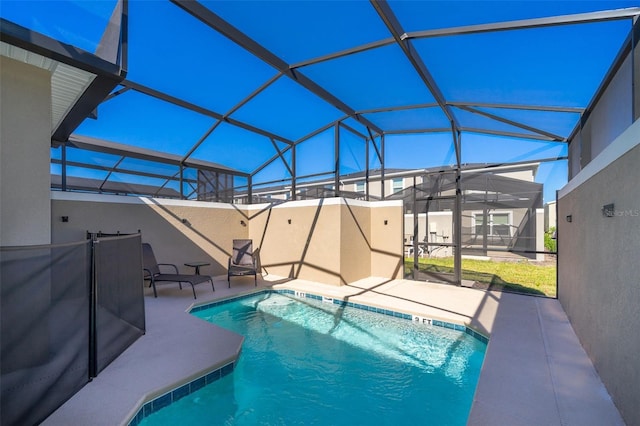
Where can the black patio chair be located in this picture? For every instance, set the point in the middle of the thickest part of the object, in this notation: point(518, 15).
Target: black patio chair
point(242, 261)
point(153, 274)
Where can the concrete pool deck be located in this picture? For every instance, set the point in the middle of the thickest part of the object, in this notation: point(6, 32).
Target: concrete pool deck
point(535, 370)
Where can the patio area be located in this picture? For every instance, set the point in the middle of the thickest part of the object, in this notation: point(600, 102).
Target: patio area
point(535, 370)
point(340, 137)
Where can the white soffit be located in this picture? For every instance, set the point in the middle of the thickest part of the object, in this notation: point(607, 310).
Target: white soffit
point(67, 83)
point(22, 55)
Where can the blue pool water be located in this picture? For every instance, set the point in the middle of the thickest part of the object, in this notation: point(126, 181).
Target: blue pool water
point(305, 362)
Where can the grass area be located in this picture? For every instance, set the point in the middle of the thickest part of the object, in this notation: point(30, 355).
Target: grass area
point(521, 277)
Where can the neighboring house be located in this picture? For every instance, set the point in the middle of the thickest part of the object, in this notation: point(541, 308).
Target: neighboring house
point(351, 186)
point(502, 213)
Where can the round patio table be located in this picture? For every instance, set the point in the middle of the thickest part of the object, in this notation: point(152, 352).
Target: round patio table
point(197, 265)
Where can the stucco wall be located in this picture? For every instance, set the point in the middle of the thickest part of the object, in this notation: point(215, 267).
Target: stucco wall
point(599, 267)
point(328, 241)
point(206, 235)
point(25, 138)
point(355, 241)
point(387, 240)
point(333, 241)
point(307, 248)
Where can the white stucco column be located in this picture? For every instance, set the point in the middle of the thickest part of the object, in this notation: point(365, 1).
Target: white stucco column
point(25, 140)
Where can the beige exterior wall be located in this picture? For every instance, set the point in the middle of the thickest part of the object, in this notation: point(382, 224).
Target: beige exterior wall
point(386, 240)
point(206, 235)
point(334, 241)
point(330, 241)
point(25, 140)
point(306, 248)
point(355, 241)
point(599, 268)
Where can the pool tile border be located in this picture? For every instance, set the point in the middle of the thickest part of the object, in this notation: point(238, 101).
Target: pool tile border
point(414, 318)
point(174, 395)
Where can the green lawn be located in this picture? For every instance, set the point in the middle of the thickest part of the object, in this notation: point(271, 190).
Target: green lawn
point(522, 276)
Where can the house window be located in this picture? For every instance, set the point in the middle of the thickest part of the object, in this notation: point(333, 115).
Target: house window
point(397, 185)
point(478, 223)
point(499, 223)
point(360, 186)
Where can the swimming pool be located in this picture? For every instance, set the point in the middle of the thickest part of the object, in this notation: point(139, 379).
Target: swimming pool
point(308, 362)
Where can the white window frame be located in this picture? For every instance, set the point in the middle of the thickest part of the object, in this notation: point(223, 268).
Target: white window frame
point(490, 214)
point(360, 186)
point(394, 187)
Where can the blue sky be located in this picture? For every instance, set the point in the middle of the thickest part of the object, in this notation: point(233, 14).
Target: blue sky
point(171, 51)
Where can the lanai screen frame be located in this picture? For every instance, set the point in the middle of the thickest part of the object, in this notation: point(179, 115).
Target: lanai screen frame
point(404, 40)
point(375, 136)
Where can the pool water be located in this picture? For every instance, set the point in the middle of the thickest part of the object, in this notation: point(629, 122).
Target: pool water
point(305, 362)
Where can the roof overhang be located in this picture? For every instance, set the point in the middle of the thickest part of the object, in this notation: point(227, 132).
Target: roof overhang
point(79, 82)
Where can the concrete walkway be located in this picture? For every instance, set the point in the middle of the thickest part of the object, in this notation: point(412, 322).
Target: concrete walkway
point(535, 371)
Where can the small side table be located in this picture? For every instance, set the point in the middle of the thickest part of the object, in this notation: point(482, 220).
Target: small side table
point(197, 265)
